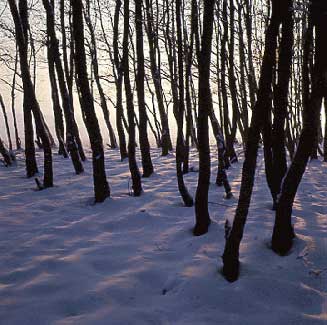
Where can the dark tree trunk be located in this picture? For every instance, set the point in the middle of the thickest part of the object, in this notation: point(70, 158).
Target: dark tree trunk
point(5, 154)
point(140, 77)
point(101, 187)
point(119, 84)
point(31, 164)
point(136, 177)
point(58, 116)
point(13, 101)
point(232, 83)
point(72, 131)
point(166, 143)
point(54, 56)
point(283, 233)
point(325, 135)
point(281, 102)
point(180, 145)
point(233, 240)
point(30, 102)
point(4, 112)
point(205, 107)
point(222, 179)
point(95, 66)
point(230, 152)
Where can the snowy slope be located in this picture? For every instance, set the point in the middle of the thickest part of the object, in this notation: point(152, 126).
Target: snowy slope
point(134, 260)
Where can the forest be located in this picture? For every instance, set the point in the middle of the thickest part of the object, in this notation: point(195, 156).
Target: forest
point(145, 118)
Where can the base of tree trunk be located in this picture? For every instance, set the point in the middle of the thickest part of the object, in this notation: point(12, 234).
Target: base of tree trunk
point(220, 179)
point(231, 268)
point(100, 198)
point(123, 157)
point(201, 228)
point(282, 240)
point(229, 195)
point(147, 174)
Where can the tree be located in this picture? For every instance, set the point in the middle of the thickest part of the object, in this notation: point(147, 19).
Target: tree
point(101, 186)
point(205, 106)
point(179, 105)
point(233, 240)
point(136, 177)
point(30, 102)
point(283, 233)
point(95, 65)
point(140, 77)
point(5, 154)
point(54, 56)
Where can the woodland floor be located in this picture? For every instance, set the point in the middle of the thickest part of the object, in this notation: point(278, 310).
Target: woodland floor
point(132, 260)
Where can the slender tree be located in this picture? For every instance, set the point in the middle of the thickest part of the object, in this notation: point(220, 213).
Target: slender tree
point(205, 107)
point(136, 177)
point(101, 186)
point(54, 56)
point(283, 233)
point(30, 102)
point(233, 240)
point(140, 77)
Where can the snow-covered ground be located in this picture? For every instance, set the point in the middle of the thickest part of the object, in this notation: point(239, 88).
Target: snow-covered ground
point(131, 260)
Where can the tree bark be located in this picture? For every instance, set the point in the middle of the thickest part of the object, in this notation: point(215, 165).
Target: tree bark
point(233, 240)
point(283, 233)
point(136, 177)
point(140, 77)
point(205, 106)
point(101, 186)
point(54, 55)
point(30, 102)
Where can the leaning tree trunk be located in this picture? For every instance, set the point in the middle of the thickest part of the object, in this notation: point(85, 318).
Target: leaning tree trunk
point(119, 84)
point(233, 240)
point(13, 101)
point(140, 76)
point(95, 65)
point(30, 102)
point(101, 186)
point(180, 146)
point(136, 177)
point(166, 143)
point(205, 106)
point(54, 54)
point(2, 104)
point(283, 233)
point(30, 159)
point(5, 154)
point(58, 117)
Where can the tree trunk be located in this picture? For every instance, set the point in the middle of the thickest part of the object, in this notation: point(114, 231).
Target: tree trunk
point(4, 112)
point(13, 108)
point(72, 132)
point(205, 106)
point(136, 177)
point(281, 102)
point(180, 146)
point(156, 77)
point(101, 187)
point(119, 84)
point(71, 127)
point(30, 102)
point(283, 233)
point(233, 240)
point(140, 75)
point(95, 65)
point(5, 154)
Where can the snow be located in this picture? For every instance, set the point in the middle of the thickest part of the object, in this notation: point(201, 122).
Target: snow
point(132, 260)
